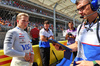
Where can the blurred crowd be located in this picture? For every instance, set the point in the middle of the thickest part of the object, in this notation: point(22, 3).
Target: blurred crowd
point(8, 24)
point(59, 27)
point(5, 24)
point(28, 7)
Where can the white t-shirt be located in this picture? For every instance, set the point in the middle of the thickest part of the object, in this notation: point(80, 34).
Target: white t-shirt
point(88, 44)
point(46, 33)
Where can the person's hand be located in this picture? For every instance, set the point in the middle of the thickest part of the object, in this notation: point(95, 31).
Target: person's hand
point(67, 35)
point(50, 38)
point(46, 38)
point(27, 57)
point(57, 46)
point(31, 58)
point(84, 63)
point(72, 36)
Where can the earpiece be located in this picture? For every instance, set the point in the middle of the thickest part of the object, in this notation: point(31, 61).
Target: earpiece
point(94, 5)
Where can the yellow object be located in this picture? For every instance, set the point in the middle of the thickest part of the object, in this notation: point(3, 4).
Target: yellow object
point(5, 60)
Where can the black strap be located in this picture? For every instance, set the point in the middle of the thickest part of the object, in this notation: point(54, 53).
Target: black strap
point(80, 27)
point(55, 55)
point(97, 31)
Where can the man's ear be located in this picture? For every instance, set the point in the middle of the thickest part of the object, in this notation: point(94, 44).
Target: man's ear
point(17, 20)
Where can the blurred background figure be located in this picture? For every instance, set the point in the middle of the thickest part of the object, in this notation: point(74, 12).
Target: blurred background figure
point(45, 34)
point(34, 33)
point(71, 35)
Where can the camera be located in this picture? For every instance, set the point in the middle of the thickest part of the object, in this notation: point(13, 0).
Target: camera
point(69, 34)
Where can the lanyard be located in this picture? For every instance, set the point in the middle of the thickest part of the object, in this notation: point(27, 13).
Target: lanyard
point(88, 26)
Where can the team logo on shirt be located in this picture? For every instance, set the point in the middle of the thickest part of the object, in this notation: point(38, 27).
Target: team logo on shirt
point(20, 33)
point(26, 46)
point(22, 38)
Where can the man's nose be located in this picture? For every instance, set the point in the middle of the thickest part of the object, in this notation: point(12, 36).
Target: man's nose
point(80, 12)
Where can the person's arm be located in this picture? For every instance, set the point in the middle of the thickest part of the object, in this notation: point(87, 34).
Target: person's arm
point(31, 58)
point(73, 46)
point(72, 36)
point(87, 63)
point(31, 49)
point(51, 37)
point(10, 38)
point(98, 61)
point(43, 38)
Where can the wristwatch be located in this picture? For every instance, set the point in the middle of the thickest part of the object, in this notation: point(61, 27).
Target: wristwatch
point(95, 63)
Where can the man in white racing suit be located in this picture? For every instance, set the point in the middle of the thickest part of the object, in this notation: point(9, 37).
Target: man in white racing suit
point(17, 43)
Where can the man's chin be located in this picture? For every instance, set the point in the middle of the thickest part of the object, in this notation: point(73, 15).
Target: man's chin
point(25, 27)
point(85, 18)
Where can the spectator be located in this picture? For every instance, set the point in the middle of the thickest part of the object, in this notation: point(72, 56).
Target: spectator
point(45, 34)
point(71, 35)
point(34, 33)
point(9, 24)
point(17, 43)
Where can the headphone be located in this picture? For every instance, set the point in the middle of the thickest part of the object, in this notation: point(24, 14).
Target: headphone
point(94, 5)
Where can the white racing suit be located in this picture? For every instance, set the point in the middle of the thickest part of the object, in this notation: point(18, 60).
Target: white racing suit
point(16, 44)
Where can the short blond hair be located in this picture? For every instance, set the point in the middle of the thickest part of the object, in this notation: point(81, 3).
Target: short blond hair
point(21, 14)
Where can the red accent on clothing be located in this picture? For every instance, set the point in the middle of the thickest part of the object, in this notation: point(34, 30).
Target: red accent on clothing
point(21, 36)
point(90, 44)
point(20, 33)
point(10, 24)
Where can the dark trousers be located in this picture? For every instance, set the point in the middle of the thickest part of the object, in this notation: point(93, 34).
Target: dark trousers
point(35, 42)
point(45, 55)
